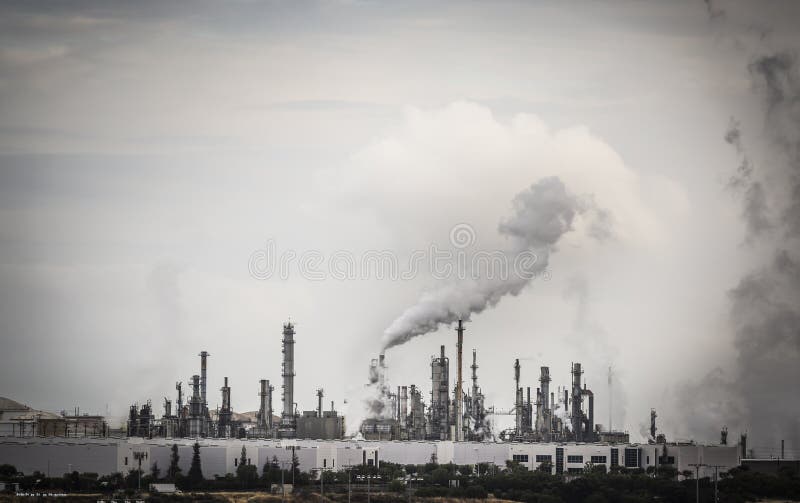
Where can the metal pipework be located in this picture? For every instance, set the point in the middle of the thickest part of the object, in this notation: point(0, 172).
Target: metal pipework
point(287, 417)
point(262, 408)
point(577, 400)
point(459, 385)
point(517, 400)
point(226, 396)
point(203, 376)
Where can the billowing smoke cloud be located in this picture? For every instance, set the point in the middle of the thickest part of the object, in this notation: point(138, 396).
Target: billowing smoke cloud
point(755, 211)
point(761, 395)
point(766, 302)
point(542, 214)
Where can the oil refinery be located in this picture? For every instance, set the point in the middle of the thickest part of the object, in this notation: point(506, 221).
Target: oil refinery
point(553, 425)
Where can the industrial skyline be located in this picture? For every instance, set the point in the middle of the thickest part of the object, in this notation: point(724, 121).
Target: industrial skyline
point(633, 166)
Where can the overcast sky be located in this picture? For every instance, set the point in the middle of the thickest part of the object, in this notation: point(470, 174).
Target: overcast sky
point(149, 150)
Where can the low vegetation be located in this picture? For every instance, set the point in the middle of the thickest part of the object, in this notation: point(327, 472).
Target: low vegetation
point(397, 483)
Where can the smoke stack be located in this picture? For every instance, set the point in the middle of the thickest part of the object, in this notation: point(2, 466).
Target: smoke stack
point(179, 389)
point(723, 436)
point(577, 401)
point(262, 408)
point(743, 445)
point(287, 416)
point(226, 396)
point(270, 411)
point(653, 424)
point(196, 386)
point(517, 400)
point(459, 385)
point(403, 404)
point(319, 402)
point(203, 377)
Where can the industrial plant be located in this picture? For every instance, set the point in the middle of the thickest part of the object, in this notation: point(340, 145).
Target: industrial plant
point(459, 414)
point(193, 418)
point(451, 412)
point(553, 430)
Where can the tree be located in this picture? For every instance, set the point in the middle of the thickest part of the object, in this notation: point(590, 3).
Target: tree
point(272, 471)
point(195, 475)
point(174, 470)
point(155, 471)
point(244, 472)
point(7, 470)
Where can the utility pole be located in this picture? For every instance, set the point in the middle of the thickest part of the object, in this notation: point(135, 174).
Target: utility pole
point(138, 456)
point(697, 478)
point(349, 481)
point(716, 477)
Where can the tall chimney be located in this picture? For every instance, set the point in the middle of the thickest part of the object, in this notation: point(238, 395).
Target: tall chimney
point(577, 400)
point(653, 424)
point(287, 416)
point(270, 411)
point(226, 396)
point(403, 404)
point(475, 390)
point(203, 377)
point(179, 389)
point(459, 385)
point(743, 445)
point(517, 400)
point(319, 402)
point(262, 407)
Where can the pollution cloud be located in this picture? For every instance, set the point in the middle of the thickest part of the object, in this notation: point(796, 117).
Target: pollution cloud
point(765, 310)
point(542, 214)
point(760, 395)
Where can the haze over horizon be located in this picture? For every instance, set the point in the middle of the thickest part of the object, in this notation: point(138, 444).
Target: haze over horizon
point(154, 156)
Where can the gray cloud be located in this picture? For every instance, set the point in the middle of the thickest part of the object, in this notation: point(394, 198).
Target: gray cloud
point(542, 215)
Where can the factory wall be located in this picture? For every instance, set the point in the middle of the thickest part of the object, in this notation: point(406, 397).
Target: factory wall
point(58, 458)
point(220, 456)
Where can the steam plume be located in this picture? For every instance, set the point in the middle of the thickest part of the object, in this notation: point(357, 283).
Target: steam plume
point(541, 215)
point(766, 302)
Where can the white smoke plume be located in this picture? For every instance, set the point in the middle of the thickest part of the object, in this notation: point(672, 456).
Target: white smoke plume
point(542, 214)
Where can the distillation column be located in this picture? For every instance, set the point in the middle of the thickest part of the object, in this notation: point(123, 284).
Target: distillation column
point(547, 415)
point(288, 422)
point(577, 399)
point(459, 385)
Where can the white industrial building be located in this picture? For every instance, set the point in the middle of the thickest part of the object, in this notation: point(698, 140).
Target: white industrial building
point(56, 456)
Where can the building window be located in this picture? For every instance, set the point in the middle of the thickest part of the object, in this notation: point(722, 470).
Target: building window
point(574, 470)
point(670, 460)
point(614, 457)
point(522, 458)
point(631, 458)
point(598, 460)
point(324, 463)
point(235, 461)
point(126, 460)
point(648, 459)
point(574, 459)
point(559, 460)
point(544, 458)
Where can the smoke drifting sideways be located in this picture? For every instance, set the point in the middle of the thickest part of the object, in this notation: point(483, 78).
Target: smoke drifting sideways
point(542, 214)
point(765, 310)
point(761, 394)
